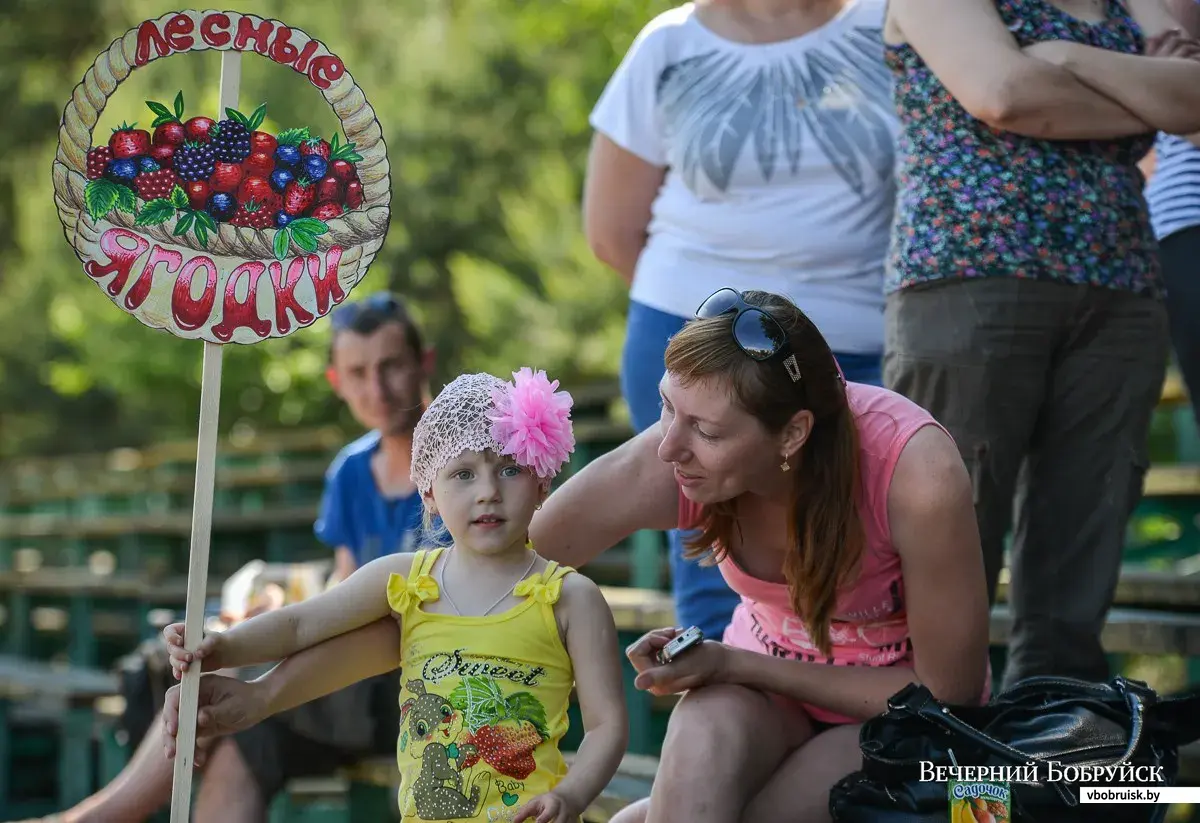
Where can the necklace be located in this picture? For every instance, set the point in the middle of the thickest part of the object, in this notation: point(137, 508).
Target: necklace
point(450, 600)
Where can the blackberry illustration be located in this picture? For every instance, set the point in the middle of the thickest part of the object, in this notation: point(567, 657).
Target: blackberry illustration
point(195, 161)
point(231, 141)
point(232, 137)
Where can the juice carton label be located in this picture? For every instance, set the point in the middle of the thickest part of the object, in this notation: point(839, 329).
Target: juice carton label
point(979, 801)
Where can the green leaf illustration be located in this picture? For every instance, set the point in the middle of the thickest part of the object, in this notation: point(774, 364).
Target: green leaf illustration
point(158, 210)
point(126, 200)
point(292, 137)
point(281, 244)
point(344, 151)
point(524, 706)
point(179, 105)
point(179, 198)
point(257, 118)
point(304, 240)
point(205, 219)
point(309, 225)
point(185, 223)
point(201, 233)
point(480, 700)
point(99, 197)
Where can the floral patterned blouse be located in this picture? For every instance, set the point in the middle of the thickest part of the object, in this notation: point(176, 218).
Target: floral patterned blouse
point(975, 201)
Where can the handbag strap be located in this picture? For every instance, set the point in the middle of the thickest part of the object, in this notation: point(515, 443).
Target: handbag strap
point(921, 702)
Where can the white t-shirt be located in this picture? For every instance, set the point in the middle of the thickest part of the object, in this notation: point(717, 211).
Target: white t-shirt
point(780, 166)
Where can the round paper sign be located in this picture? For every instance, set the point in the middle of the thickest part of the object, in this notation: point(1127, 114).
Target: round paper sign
point(201, 223)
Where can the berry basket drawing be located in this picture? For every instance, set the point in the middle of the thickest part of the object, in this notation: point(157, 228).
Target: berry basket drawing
point(201, 223)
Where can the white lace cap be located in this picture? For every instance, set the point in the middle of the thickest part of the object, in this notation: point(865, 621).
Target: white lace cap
point(455, 422)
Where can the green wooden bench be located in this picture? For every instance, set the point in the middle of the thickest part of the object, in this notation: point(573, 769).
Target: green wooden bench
point(87, 619)
point(47, 721)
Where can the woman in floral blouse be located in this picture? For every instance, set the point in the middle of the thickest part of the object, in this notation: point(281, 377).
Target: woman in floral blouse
point(1024, 303)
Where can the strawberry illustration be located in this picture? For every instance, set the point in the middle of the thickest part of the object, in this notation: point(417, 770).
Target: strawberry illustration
point(168, 123)
point(507, 747)
point(298, 196)
point(259, 164)
point(198, 129)
point(504, 729)
point(169, 134)
point(253, 215)
point(164, 154)
point(126, 141)
point(197, 192)
point(97, 160)
point(254, 188)
point(154, 184)
point(354, 194)
point(342, 158)
point(342, 169)
point(262, 141)
point(315, 145)
point(329, 190)
point(225, 177)
point(327, 211)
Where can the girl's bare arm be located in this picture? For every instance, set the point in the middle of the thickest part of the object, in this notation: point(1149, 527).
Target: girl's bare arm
point(357, 601)
point(591, 640)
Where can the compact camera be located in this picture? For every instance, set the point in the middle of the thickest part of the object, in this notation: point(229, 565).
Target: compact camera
point(679, 644)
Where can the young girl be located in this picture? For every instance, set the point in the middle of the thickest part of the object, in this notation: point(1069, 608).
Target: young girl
point(491, 637)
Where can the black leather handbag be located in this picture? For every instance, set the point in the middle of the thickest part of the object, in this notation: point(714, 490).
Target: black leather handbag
point(1038, 728)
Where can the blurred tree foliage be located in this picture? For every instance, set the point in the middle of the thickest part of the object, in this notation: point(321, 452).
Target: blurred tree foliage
point(484, 107)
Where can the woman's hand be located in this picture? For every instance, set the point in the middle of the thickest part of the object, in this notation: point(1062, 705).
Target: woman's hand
point(1173, 43)
point(208, 652)
point(226, 705)
point(701, 665)
point(548, 808)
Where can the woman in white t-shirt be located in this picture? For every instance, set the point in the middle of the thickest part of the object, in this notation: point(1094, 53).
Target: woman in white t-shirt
point(751, 144)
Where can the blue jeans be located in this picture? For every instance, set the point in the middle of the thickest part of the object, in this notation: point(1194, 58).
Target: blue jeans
point(701, 595)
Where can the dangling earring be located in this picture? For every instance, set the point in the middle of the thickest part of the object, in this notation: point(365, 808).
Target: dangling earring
point(784, 466)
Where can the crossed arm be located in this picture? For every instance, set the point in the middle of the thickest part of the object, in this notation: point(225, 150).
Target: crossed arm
point(1162, 91)
point(1053, 90)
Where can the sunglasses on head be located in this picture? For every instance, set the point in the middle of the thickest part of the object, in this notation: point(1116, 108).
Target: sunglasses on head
point(756, 332)
point(381, 303)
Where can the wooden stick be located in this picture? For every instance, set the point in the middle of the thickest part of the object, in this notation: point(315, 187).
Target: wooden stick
point(202, 511)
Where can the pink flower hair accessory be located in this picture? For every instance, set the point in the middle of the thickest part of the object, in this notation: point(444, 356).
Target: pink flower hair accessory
point(532, 422)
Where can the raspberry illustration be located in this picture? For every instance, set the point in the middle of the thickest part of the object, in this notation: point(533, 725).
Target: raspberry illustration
point(253, 215)
point(97, 160)
point(154, 184)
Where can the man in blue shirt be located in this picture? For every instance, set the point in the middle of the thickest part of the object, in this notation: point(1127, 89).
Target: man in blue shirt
point(380, 367)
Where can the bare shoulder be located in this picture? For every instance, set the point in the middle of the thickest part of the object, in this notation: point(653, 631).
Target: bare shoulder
point(582, 604)
point(580, 593)
point(930, 477)
point(399, 563)
point(377, 575)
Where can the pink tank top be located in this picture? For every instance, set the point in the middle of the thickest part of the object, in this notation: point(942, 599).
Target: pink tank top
point(869, 626)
